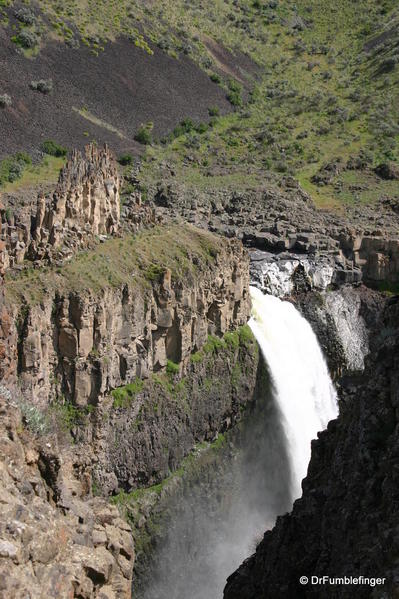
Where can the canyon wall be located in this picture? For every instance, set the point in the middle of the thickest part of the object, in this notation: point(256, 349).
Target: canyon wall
point(282, 222)
point(345, 522)
point(123, 345)
point(82, 343)
point(55, 540)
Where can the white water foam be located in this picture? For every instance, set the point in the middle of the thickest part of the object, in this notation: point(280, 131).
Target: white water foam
point(303, 390)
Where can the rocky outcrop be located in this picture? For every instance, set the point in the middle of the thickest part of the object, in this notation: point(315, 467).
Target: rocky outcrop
point(345, 524)
point(85, 202)
point(286, 274)
point(376, 256)
point(346, 322)
point(282, 221)
point(84, 207)
point(138, 439)
point(56, 540)
point(82, 343)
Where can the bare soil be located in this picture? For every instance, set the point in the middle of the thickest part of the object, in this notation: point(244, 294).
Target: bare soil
point(124, 87)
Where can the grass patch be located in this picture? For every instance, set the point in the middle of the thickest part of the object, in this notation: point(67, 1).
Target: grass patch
point(120, 261)
point(172, 368)
point(34, 174)
point(83, 112)
point(123, 396)
point(231, 340)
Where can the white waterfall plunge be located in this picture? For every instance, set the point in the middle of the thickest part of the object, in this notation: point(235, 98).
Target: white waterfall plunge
point(303, 390)
point(225, 506)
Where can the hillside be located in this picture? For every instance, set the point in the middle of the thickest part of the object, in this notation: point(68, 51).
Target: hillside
point(309, 88)
point(199, 262)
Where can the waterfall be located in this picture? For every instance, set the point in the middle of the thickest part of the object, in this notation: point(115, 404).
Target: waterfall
point(303, 391)
point(225, 506)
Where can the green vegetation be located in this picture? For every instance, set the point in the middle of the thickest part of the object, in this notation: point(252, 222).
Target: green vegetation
point(234, 95)
point(53, 148)
point(65, 415)
point(243, 337)
point(123, 396)
point(323, 88)
point(143, 136)
point(326, 92)
point(172, 368)
point(13, 167)
point(184, 250)
point(125, 159)
point(34, 418)
point(47, 171)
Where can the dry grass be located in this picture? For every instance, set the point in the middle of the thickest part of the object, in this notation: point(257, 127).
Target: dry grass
point(138, 261)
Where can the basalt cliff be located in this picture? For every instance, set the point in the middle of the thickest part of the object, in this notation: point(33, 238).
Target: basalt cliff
point(127, 365)
point(345, 523)
point(123, 346)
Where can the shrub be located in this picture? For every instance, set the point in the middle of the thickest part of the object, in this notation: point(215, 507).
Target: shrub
point(11, 168)
point(389, 64)
point(25, 15)
point(123, 395)
point(53, 149)
point(35, 419)
point(201, 128)
point(26, 39)
point(15, 171)
point(23, 157)
point(5, 100)
point(213, 111)
point(172, 368)
point(125, 159)
point(143, 136)
point(234, 98)
point(215, 78)
point(44, 86)
point(164, 44)
point(234, 95)
point(185, 126)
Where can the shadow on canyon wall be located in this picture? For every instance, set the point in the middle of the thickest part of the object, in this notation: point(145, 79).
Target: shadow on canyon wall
point(222, 513)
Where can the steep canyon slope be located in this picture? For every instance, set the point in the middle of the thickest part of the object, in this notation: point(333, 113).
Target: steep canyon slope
point(345, 524)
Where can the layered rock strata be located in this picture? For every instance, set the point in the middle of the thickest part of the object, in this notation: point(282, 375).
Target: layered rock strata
point(56, 540)
point(82, 343)
point(140, 439)
point(281, 220)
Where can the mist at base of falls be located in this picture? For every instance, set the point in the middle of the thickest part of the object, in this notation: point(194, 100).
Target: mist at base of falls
point(222, 511)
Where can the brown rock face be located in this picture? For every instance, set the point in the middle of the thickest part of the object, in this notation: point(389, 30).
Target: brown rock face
point(84, 204)
point(55, 541)
point(86, 199)
point(83, 344)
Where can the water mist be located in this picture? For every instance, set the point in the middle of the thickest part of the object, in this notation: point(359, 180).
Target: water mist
point(215, 522)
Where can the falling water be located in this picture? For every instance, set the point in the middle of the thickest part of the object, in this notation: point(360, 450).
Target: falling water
point(214, 525)
point(303, 389)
